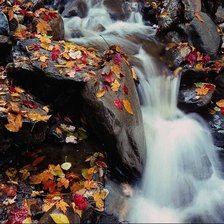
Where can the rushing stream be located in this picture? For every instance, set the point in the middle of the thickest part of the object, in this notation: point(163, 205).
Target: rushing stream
point(180, 182)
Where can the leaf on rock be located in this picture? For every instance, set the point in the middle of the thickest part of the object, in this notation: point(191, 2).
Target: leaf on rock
point(14, 122)
point(109, 78)
point(100, 93)
point(202, 91)
point(116, 69)
point(75, 55)
point(115, 85)
point(134, 75)
point(125, 89)
point(127, 106)
point(63, 182)
point(99, 197)
point(43, 27)
point(118, 103)
point(38, 117)
point(62, 205)
point(55, 53)
point(60, 218)
point(220, 103)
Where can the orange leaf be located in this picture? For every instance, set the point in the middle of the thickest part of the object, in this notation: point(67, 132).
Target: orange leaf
point(127, 106)
point(220, 103)
point(90, 184)
point(36, 179)
point(115, 85)
point(14, 122)
point(62, 205)
point(116, 70)
point(49, 185)
point(63, 182)
point(100, 93)
point(201, 91)
point(43, 27)
point(98, 197)
point(38, 160)
point(38, 117)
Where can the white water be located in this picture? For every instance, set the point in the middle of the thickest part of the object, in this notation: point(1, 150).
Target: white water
point(180, 183)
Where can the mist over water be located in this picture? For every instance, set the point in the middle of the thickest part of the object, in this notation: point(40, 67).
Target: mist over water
point(180, 182)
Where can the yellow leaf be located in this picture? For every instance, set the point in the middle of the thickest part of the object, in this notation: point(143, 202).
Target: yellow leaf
point(62, 205)
point(44, 39)
point(116, 70)
point(66, 166)
point(60, 218)
point(134, 75)
point(43, 58)
point(28, 220)
point(127, 106)
point(220, 103)
point(15, 122)
point(199, 66)
point(43, 27)
point(38, 117)
point(100, 93)
point(115, 85)
point(98, 197)
point(201, 91)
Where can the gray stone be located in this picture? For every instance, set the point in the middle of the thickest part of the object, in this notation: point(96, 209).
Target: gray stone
point(204, 35)
point(4, 25)
point(121, 132)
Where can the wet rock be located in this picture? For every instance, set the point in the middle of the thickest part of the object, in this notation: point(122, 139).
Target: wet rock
point(188, 101)
point(122, 133)
point(4, 25)
point(57, 26)
point(115, 10)
point(149, 14)
point(5, 46)
point(190, 8)
point(75, 8)
point(219, 15)
point(210, 7)
point(219, 82)
point(171, 15)
point(204, 35)
point(14, 100)
point(72, 217)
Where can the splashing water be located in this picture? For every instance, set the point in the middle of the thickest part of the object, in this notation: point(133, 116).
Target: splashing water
point(180, 182)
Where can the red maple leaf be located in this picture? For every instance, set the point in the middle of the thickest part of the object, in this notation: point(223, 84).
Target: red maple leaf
point(125, 89)
point(191, 57)
point(117, 59)
point(118, 103)
point(210, 87)
point(109, 78)
point(80, 201)
point(206, 58)
point(55, 53)
point(17, 216)
point(30, 104)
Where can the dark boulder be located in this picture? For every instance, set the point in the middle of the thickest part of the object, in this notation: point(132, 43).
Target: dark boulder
point(204, 35)
point(121, 132)
point(4, 25)
point(117, 11)
point(219, 82)
point(171, 15)
point(75, 8)
point(5, 46)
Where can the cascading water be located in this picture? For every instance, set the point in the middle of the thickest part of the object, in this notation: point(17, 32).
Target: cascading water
point(180, 183)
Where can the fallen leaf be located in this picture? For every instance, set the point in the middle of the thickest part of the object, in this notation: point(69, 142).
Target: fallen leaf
point(75, 55)
point(115, 85)
point(66, 166)
point(100, 93)
point(63, 182)
point(43, 27)
point(109, 78)
point(11, 172)
point(202, 91)
point(99, 197)
point(116, 69)
point(38, 117)
point(60, 218)
point(118, 103)
point(14, 122)
point(62, 205)
point(125, 89)
point(38, 160)
point(127, 106)
point(220, 103)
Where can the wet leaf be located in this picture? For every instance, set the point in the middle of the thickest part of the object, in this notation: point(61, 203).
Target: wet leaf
point(109, 78)
point(99, 197)
point(38, 117)
point(220, 103)
point(201, 91)
point(71, 139)
point(127, 106)
point(100, 93)
point(55, 53)
point(75, 55)
point(118, 103)
point(63, 182)
point(62, 205)
point(14, 122)
point(11, 172)
point(43, 27)
point(115, 85)
point(80, 201)
point(125, 89)
point(66, 166)
point(116, 69)
point(60, 218)
point(38, 160)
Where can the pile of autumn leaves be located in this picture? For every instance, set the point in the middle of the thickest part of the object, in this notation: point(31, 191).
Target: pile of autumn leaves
point(60, 189)
point(18, 106)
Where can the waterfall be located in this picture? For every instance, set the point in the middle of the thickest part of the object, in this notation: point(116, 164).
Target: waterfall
point(180, 182)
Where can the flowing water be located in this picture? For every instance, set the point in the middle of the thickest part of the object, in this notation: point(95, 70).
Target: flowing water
point(180, 182)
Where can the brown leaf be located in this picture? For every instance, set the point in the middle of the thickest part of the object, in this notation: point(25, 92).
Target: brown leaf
point(38, 160)
point(38, 117)
point(14, 122)
point(43, 27)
